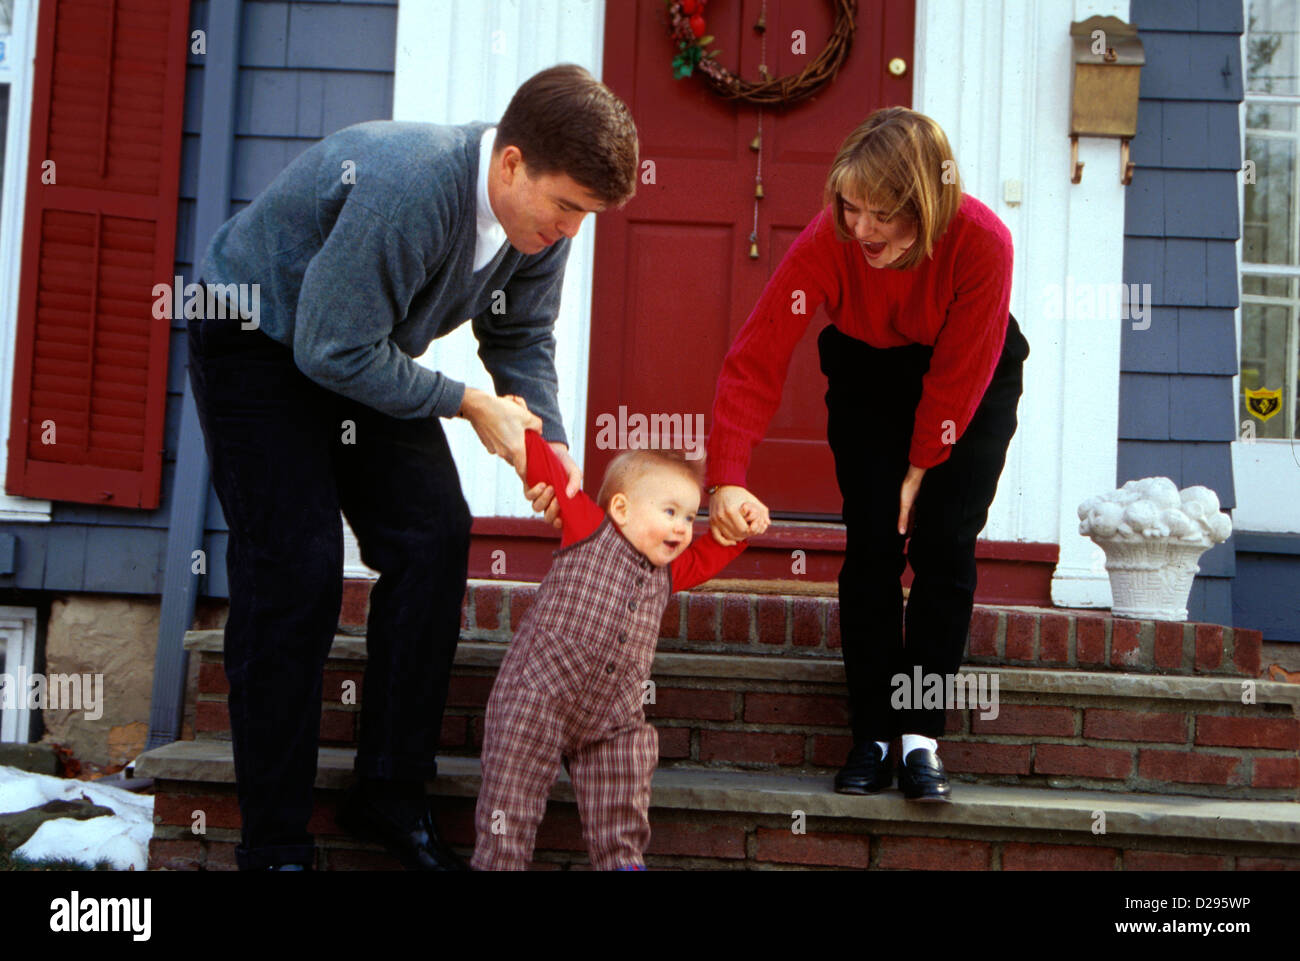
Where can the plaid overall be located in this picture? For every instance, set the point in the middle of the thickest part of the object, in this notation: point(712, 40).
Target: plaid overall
point(570, 687)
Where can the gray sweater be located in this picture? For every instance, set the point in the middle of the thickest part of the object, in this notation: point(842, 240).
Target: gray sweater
point(359, 278)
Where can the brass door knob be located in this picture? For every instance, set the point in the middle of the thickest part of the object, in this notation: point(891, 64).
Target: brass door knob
point(898, 66)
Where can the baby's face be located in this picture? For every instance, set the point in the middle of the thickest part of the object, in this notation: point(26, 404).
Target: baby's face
point(657, 512)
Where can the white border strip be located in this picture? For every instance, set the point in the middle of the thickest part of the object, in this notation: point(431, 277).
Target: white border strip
point(18, 72)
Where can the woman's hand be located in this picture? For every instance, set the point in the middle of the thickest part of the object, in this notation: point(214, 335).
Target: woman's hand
point(735, 513)
point(907, 496)
point(500, 423)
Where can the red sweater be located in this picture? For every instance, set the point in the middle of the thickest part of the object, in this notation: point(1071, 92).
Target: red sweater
point(581, 517)
point(957, 300)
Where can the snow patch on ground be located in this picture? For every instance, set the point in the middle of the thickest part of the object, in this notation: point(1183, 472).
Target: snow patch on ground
point(122, 840)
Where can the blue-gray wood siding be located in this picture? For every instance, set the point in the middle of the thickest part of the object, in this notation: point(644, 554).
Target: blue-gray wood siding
point(1266, 592)
point(306, 70)
point(1181, 221)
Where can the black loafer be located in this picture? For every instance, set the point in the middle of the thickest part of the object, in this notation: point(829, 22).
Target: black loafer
point(405, 827)
point(921, 777)
point(866, 771)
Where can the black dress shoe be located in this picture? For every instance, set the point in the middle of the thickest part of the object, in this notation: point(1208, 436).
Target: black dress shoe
point(866, 771)
point(921, 777)
point(403, 825)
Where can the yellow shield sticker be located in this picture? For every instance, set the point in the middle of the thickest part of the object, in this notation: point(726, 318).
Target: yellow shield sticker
point(1263, 403)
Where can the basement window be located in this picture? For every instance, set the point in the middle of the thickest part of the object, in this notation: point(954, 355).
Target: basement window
point(18, 662)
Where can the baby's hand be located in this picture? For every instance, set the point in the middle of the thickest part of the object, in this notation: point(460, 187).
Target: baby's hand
point(757, 523)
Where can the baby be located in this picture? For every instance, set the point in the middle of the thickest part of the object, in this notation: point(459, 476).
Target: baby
point(571, 685)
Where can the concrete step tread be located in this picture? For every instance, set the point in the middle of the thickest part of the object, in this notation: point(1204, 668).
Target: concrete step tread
point(825, 670)
point(1273, 822)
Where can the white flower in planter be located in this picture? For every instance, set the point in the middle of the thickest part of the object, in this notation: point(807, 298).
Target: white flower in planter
point(1153, 534)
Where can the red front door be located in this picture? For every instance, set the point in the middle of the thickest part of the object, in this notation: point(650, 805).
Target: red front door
point(673, 277)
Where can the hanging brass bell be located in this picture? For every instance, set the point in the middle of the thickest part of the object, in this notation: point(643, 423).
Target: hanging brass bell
point(756, 144)
point(753, 250)
point(758, 190)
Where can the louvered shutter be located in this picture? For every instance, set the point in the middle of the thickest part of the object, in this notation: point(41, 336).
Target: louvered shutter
point(91, 358)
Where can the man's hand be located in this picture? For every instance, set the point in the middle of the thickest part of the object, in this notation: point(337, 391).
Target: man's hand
point(500, 423)
point(543, 495)
point(735, 513)
point(907, 496)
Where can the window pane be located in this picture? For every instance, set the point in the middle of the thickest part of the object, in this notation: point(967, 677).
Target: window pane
point(1271, 52)
point(1270, 116)
point(6, 17)
point(1270, 221)
point(1268, 286)
point(1265, 332)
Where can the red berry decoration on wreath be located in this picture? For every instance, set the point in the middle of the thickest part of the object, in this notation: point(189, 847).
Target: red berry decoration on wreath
point(690, 32)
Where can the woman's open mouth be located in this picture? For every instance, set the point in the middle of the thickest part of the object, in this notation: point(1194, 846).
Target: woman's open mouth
point(874, 250)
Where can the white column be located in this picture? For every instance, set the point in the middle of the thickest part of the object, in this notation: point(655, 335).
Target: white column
point(462, 60)
point(996, 76)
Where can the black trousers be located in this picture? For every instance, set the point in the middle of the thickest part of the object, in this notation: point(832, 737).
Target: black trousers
point(871, 402)
point(287, 455)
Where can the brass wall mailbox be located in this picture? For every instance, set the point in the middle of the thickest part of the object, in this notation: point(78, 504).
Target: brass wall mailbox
point(1107, 65)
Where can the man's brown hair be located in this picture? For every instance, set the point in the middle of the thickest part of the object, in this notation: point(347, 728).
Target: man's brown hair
point(631, 465)
point(564, 120)
point(901, 161)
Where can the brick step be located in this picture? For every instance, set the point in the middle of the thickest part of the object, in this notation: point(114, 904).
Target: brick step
point(1054, 728)
point(748, 820)
point(806, 623)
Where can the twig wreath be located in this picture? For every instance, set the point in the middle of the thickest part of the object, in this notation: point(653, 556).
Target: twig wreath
point(689, 29)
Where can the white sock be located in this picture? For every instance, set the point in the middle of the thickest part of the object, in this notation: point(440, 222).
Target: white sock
point(884, 748)
point(912, 741)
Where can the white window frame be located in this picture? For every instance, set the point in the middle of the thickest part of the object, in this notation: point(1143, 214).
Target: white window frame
point(17, 661)
point(1265, 501)
point(17, 71)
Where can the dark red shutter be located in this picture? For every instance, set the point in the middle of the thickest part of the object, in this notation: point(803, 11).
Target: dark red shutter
point(91, 358)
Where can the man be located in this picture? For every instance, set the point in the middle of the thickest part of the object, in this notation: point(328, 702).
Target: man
point(368, 246)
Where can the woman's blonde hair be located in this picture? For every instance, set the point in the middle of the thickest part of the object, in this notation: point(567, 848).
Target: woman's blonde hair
point(901, 160)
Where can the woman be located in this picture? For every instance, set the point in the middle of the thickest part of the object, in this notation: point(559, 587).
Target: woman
point(923, 364)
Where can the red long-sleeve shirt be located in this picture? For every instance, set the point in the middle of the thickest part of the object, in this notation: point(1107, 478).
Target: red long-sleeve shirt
point(581, 516)
point(957, 300)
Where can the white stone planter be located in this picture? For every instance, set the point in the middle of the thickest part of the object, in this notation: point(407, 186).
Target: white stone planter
point(1153, 534)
